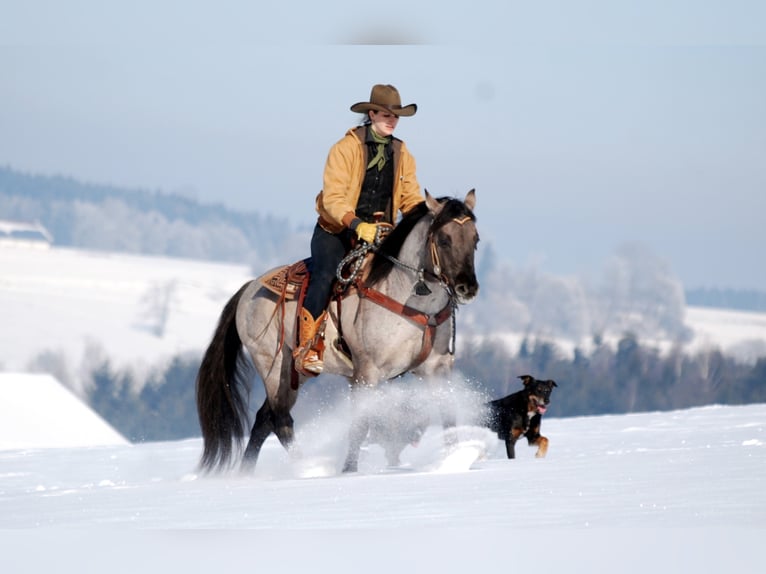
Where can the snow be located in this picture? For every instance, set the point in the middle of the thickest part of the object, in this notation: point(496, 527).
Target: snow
point(675, 491)
point(84, 305)
point(36, 411)
point(739, 333)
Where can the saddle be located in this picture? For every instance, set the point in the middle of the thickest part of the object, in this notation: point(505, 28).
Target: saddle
point(289, 283)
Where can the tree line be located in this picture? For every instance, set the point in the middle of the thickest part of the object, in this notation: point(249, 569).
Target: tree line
point(628, 378)
point(107, 218)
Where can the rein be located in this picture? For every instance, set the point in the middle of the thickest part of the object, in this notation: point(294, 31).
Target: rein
point(429, 323)
point(357, 256)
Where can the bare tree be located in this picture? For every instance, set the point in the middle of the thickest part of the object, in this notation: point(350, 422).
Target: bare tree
point(157, 304)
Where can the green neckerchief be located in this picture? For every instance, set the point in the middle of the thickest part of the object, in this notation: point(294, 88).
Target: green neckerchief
point(380, 156)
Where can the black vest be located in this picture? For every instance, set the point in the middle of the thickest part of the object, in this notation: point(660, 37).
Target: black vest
point(377, 187)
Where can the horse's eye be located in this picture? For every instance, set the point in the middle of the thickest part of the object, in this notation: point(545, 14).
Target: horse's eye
point(444, 241)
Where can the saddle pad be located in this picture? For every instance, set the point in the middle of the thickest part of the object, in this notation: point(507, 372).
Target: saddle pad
point(286, 280)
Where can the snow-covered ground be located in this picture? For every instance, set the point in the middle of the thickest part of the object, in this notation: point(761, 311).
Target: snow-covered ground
point(37, 411)
point(79, 306)
point(675, 492)
point(663, 492)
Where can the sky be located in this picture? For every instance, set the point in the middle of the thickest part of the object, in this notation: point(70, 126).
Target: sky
point(582, 125)
point(665, 492)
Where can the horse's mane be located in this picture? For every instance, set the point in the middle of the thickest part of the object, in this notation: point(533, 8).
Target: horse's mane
point(392, 244)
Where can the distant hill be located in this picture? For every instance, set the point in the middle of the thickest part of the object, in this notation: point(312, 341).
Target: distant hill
point(108, 218)
point(743, 300)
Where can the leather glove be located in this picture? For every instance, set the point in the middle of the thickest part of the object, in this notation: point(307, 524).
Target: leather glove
point(366, 231)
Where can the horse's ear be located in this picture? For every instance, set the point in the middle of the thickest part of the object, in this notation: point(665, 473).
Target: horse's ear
point(433, 205)
point(470, 199)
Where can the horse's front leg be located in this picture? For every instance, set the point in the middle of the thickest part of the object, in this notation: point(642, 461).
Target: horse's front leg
point(360, 425)
point(439, 376)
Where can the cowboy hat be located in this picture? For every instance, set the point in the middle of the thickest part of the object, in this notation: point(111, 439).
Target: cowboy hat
point(385, 98)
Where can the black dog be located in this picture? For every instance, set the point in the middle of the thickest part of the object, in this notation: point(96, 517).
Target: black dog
point(521, 414)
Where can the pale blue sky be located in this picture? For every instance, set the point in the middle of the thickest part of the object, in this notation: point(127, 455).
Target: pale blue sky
point(581, 124)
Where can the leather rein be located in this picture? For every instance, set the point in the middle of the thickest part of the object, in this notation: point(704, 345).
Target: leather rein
point(428, 322)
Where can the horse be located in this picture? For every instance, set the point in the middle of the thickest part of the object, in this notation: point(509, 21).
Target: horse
point(396, 317)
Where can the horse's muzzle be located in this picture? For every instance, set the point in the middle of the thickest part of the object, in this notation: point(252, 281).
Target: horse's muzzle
point(466, 291)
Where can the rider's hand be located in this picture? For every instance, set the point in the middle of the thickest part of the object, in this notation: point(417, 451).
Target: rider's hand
point(366, 231)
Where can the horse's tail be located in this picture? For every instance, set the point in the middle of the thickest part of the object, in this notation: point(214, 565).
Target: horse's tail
point(222, 390)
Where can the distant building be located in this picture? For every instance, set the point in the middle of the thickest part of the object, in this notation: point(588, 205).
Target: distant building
point(23, 234)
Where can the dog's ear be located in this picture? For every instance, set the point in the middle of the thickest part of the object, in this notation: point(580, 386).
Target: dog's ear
point(552, 382)
point(527, 379)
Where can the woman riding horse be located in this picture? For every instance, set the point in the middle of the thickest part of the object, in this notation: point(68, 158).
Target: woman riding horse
point(369, 177)
point(400, 319)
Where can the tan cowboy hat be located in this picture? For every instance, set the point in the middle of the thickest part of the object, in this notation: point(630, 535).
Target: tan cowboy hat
point(385, 98)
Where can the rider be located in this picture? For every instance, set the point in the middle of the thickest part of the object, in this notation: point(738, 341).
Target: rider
point(368, 172)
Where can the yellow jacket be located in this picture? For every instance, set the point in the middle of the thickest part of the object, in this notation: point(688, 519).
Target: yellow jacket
point(344, 174)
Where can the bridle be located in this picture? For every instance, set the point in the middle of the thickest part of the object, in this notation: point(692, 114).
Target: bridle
point(356, 257)
point(435, 261)
point(429, 322)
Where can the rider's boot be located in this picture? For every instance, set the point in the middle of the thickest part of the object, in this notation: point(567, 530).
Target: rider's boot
point(308, 355)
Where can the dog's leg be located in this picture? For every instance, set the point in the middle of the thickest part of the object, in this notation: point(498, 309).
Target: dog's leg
point(510, 449)
point(510, 442)
point(542, 447)
point(535, 438)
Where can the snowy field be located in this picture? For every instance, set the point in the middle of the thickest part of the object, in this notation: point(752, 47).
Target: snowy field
point(37, 411)
point(661, 492)
point(82, 305)
point(680, 491)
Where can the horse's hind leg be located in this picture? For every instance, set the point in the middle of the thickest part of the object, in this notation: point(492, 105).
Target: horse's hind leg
point(274, 415)
point(283, 428)
point(266, 422)
point(262, 428)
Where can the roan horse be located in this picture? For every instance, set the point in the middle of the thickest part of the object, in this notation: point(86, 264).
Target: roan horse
point(397, 318)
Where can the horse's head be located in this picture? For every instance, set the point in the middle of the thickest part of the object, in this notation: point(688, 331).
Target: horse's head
point(453, 239)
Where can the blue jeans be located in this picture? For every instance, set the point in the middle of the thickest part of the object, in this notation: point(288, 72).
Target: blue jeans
point(327, 251)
